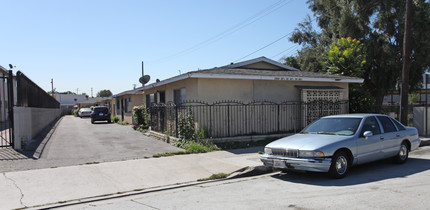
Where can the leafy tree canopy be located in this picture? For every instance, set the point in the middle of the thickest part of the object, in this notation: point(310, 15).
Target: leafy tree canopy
point(104, 93)
point(345, 57)
point(379, 26)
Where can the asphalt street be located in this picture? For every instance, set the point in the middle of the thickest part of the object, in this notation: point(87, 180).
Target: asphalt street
point(378, 185)
point(76, 141)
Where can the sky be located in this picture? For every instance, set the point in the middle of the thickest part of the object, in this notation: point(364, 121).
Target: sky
point(90, 45)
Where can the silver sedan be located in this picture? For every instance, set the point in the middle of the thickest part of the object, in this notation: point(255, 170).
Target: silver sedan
point(335, 143)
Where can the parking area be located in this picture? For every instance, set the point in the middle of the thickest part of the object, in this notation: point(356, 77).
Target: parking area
point(76, 141)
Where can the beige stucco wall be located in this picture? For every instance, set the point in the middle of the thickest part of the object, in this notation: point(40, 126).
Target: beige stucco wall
point(211, 90)
point(190, 85)
point(135, 100)
point(243, 90)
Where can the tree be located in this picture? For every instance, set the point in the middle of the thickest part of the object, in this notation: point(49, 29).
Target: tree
point(291, 61)
point(104, 93)
point(378, 25)
point(347, 57)
point(66, 92)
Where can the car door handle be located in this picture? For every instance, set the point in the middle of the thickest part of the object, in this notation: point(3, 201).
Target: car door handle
point(382, 138)
point(397, 135)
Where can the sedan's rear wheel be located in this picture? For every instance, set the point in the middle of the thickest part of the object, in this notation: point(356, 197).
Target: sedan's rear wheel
point(339, 165)
point(403, 154)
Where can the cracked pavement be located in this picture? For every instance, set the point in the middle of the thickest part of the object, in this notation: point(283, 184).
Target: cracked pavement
point(11, 193)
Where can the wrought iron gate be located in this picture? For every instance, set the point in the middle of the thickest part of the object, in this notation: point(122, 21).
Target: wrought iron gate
point(6, 110)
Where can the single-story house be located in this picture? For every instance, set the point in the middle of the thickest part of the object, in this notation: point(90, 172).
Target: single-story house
point(123, 103)
point(95, 101)
point(227, 99)
point(259, 79)
point(68, 101)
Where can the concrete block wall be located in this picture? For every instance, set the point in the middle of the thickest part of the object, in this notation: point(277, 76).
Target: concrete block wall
point(420, 121)
point(29, 121)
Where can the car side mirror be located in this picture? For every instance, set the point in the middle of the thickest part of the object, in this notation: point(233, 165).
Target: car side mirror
point(367, 133)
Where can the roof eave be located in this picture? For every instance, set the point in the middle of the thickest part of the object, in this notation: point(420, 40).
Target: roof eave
point(279, 78)
point(255, 77)
point(167, 81)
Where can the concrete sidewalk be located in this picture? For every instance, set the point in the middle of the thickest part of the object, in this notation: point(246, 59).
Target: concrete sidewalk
point(57, 186)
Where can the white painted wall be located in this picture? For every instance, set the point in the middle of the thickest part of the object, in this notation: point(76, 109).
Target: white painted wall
point(69, 99)
point(29, 121)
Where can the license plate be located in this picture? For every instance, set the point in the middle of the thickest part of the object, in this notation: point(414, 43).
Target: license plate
point(279, 164)
point(101, 114)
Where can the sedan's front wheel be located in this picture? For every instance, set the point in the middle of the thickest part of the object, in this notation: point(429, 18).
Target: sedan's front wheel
point(339, 165)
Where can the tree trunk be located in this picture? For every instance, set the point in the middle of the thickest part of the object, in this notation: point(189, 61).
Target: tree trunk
point(406, 64)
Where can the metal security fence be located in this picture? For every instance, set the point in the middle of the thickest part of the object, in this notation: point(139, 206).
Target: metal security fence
point(6, 110)
point(31, 95)
point(232, 118)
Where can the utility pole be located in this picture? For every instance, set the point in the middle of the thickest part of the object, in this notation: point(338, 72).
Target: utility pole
point(92, 93)
point(52, 86)
point(406, 64)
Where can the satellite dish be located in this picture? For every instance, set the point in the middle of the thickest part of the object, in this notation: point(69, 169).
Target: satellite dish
point(145, 79)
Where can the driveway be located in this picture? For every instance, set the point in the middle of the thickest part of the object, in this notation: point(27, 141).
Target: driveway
point(76, 141)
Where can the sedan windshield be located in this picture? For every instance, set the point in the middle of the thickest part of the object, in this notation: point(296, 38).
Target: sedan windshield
point(334, 126)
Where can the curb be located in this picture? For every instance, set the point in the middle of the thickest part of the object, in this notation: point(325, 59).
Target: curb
point(250, 171)
point(38, 153)
point(241, 173)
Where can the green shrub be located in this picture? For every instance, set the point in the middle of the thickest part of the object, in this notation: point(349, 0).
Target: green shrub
point(115, 119)
point(122, 122)
point(215, 176)
point(141, 117)
point(190, 148)
point(200, 147)
point(75, 112)
point(186, 127)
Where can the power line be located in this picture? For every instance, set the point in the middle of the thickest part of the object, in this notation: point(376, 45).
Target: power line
point(277, 40)
point(245, 25)
point(274, 42)
point(263, 47)
point(289, 50)
point(263, 13)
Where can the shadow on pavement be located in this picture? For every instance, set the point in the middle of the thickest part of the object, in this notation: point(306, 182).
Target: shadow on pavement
point(8, 153)
point(246, 150)
point(29, 150)
point(425, 143)
point(362, 174)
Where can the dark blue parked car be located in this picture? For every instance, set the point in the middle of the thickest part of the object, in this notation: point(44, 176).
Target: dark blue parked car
point(100, 113)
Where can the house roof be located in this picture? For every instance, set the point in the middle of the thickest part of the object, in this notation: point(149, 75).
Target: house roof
point(129, 92)
point(244, 64)
point(258, 69)
point(94, 100)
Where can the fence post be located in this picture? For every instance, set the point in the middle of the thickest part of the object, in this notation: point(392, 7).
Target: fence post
point(176, 119)
point(210, 120)
point(228, 119)
point(279, 118)
point(11, 104)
